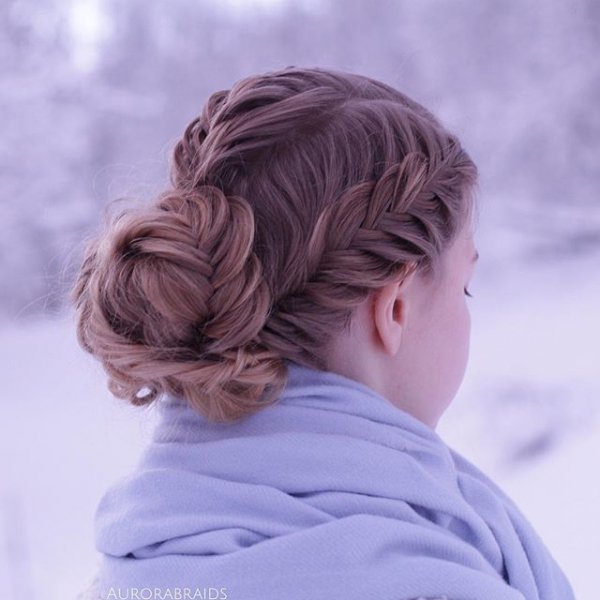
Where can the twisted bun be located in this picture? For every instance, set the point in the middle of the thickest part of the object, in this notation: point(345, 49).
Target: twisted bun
point(293, 196)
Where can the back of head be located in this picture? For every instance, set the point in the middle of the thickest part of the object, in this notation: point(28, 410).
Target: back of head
point(293, 195)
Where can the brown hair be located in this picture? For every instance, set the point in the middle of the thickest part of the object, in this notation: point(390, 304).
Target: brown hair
point(293, 195)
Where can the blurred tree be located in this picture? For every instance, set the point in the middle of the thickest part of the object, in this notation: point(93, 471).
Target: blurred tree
point(517, 80)
point(42, 155)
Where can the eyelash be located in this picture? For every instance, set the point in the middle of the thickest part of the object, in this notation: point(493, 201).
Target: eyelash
point(467, 293)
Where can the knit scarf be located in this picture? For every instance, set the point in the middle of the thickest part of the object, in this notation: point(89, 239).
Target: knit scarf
point(330, 493)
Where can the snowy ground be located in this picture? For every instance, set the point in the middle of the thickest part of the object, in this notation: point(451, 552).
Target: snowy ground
point(526, 413)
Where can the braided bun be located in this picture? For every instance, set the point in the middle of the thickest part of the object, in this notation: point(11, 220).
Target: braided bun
point(171, 297)
point(294, 195)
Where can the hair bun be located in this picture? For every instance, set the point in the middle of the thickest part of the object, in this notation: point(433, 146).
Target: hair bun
point(171, 297)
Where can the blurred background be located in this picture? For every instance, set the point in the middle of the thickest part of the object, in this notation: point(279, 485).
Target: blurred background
point(94, 94)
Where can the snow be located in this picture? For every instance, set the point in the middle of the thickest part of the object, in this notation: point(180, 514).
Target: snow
point(526, 413)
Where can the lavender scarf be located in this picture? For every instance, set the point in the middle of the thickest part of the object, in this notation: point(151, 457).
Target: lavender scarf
point(330, 493)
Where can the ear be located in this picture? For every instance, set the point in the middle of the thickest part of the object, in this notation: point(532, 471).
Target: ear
point(390, 313)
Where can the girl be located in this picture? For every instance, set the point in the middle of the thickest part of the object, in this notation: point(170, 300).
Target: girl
point(295, 307)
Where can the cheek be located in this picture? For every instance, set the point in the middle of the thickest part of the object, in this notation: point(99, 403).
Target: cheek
point(461, 341)
point(464, 325)
point(436, 362)
point(457, 330)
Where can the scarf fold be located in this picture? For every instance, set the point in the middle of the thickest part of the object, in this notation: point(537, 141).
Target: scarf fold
point(332, 492)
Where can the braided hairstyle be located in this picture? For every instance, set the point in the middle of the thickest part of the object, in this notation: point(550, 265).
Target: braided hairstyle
point(292, 196)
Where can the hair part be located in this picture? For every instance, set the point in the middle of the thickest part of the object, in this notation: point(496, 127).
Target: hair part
point(293, 196)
